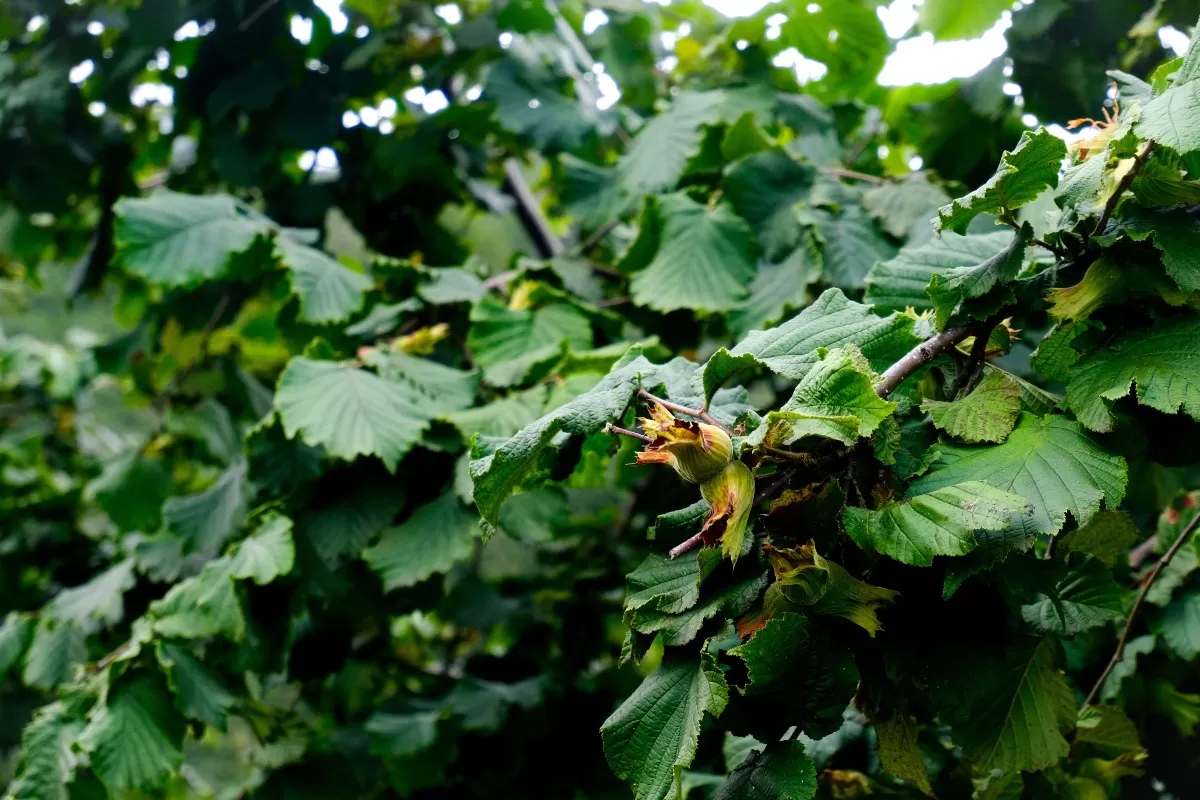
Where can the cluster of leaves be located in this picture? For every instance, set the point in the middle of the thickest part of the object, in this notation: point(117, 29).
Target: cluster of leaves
point(309, 484)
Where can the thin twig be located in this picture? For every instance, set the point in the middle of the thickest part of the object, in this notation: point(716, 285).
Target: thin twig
point(1049, 554)
point(597, 236)
point(497, 282)
point(1140, 553)
point(1137, 604)
point(804, 459)
point(255, 14)
point(687, 545)
point(641, 437)
point(698, 413)
point(775, 485)
point(839, 172)
point(919, 356)
point(1057, 251)
point(1139, 161)
point(202, 351)
point(612, 301)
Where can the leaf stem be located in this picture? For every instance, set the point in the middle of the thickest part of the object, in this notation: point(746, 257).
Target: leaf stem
point(687, 545)
point(974, 366)
point(1139, 161)
point(698, 413)
point(1137, 605)
point(641, 437)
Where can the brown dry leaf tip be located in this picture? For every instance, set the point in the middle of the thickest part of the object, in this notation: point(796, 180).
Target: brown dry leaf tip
point(695, 450)
point(1102, 130)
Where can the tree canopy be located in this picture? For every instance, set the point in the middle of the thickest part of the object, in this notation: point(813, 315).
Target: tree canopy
point(599, 399)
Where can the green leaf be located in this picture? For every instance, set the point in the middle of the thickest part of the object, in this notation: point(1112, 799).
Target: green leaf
point(437, 389)
point(1107, 537)
point(199, 692)
point(348, 411)
point(47, 758)
point(15, 635)
point(831, 321)
point(744, 138)
point(736, 749)
point(328, 291)
point(55, 649)
point(799, 675)
point(402, 734)
point(836, 400)
point(515, 347)
point(1049, 460)
point(939, 522)
point(1173, 234)
point(1087, 597)
point(850, 245)
point(131, 490)
point(343, 527)
point(777, 288)
point(1020, 712)
point(205, 520)
point(898, 206)
point(763, 189)
point(660, 151)
point(900, 283)
point(498, 475)
point(212, 425)
point(536, 515)
point(201, 606)
point(1108, 728)
point(137, 737)
point(847, 38)
point(1022, 175)
point(899, 751)
point(1161, 362)
point(1180, 626)
point(484, 705)
point(780, 772)
point(452, 285)
point(101, 598)
point(675, 629)
point(953, 290)
point(651, 738)
point(181, 240)
point(437, 536)
point(1171, 118)
point(987, 414)
point(702, 259)
point(1127, 666)
point(669, 584)
point(528, 103)
point(950, 19)
point(267, 554)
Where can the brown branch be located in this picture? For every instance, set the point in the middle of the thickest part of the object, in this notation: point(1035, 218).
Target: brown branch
point(839, 172)
point(1139, 161)
point(687, 545)
point(641, 437)
point(698, 413)
point(803, 459)
point(255, 14)
point(1137, 605)
point(1140, 553)
point(919, 356)
point(596, 236)
point(775, 485)
point(974, 366)
point(1057, 251)
point(612, 302)
point(530, 211)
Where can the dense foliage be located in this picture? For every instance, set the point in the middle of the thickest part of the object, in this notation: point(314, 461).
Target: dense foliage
point(386, 411)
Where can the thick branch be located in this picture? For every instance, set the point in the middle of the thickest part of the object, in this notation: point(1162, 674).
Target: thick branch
point(1139, 161)
point(974, 366)
point(698, 413)
point(530, 211)
point(1137, 605)
point(919, 356)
